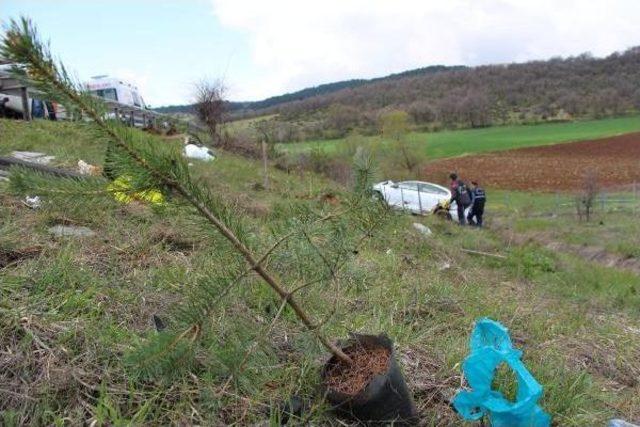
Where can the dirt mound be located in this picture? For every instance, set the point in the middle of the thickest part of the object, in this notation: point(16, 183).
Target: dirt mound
point(616, 161)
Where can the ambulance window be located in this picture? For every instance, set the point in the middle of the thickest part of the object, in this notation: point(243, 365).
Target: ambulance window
point(109, 94)
point(136, 99)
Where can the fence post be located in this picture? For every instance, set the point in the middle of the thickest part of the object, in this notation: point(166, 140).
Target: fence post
point(132, 119)
point(402, 198)
point(635, 197)
point(115, 114)
point(419, 200)
point(265, 164)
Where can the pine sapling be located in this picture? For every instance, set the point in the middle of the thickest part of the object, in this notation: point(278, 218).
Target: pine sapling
point(34, 64)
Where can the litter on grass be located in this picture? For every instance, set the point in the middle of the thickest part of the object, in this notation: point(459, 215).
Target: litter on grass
point(33, 202)
point(620, 423)
point(423, 229)
point(71, 230)
point(490, 347)
point(33, 157)
point(88, 169)
point(122, 192)
point(193, 151)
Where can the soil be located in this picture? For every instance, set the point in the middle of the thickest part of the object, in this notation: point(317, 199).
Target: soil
point(615, 160)
point(8, 257)
point(352, 378)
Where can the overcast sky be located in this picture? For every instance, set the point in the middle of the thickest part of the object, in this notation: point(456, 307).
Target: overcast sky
point(262, 48)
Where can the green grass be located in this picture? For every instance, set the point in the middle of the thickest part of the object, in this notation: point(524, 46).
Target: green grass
point(246, 125)
point(70, 316)
point(497, 138)
point(552, 217)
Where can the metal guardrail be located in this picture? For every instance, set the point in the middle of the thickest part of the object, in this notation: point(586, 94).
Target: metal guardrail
point(130, 114)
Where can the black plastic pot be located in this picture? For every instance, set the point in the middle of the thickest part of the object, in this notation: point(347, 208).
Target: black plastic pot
point(385, 400)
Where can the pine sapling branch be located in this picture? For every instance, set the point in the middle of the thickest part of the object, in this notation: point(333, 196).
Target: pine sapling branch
point(21, 45)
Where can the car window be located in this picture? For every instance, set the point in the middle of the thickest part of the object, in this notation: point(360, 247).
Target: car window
point(408, 185)
point(429, 188)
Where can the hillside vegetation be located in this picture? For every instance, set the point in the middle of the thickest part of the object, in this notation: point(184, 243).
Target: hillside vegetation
point(560, 89)
point(251, 107)
point(74, 308)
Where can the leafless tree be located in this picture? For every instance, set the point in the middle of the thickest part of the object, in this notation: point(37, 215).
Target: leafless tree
point(210, 106)
point(587, 199)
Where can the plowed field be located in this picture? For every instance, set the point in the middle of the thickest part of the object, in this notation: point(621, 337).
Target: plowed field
point(616, 161)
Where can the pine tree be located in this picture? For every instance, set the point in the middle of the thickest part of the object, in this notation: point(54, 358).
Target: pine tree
point(148, 165)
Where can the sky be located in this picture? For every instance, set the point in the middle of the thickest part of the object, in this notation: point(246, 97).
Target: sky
point(262, 48)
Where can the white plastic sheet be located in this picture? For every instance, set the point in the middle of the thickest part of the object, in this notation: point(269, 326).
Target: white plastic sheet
point(193, 151)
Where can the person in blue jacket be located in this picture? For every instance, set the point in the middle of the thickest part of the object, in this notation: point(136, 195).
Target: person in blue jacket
point(478, 199)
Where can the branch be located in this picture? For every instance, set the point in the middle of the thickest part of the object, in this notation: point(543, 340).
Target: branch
point(23, 43)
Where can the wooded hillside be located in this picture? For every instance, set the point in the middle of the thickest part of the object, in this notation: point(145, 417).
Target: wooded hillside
point(558, 89)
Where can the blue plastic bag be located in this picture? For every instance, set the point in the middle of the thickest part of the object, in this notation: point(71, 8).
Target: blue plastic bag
point(490, 346)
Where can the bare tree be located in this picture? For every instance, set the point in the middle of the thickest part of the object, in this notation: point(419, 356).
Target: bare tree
point(395, 126)
point(210, 106)
point(586, 201)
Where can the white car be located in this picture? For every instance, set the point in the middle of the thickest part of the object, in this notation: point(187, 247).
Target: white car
point(417, 197)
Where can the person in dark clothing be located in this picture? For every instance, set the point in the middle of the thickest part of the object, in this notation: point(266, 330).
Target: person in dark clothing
point(460, 195)
point(478, 199)
point(3, 109)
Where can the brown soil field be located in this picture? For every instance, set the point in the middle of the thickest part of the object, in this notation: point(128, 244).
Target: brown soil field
point(615, 161)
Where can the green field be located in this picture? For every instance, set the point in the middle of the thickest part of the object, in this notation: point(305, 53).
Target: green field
point(75, 311)
point(469, 141)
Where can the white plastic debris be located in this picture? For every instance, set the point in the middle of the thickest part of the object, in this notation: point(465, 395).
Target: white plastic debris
point(34, 202)
point(422, 228)
point(616, 422)
point(33, 157)
point(194, 151)
point(71, 230)
point(444, 266)
point(87, 169)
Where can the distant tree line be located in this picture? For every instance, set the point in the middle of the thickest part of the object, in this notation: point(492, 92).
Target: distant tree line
point(554, 90)
point(558, 89)
point(254, 108)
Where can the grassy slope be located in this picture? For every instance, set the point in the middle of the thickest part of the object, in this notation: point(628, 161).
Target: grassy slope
point(70, 314)
point(463, 142)
point(552, 217)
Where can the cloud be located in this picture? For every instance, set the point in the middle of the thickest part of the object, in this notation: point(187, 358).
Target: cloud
point(298, 43)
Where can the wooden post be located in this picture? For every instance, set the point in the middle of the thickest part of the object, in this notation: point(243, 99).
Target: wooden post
point(144, 120)
point(24, 94)
point(265, 164)
point(132, 119)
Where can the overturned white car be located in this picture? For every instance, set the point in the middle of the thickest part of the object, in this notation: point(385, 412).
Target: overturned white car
point(417, 197)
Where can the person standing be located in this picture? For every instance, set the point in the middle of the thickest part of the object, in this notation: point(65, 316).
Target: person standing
point(478, 199)
point(3, 108)
point(460, 195)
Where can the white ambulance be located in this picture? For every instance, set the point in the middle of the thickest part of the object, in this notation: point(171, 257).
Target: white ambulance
point(114, 89)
